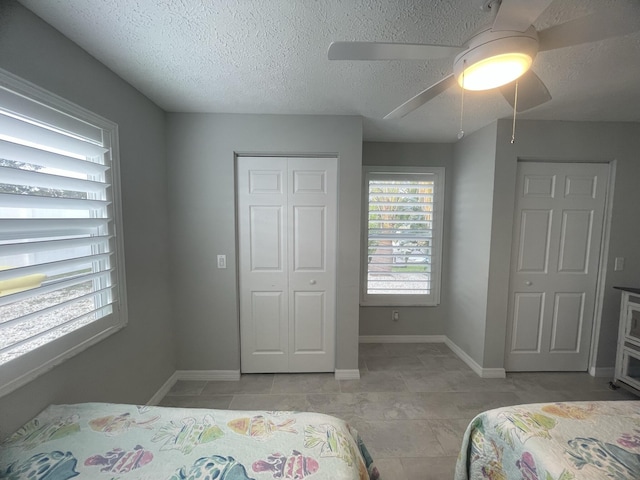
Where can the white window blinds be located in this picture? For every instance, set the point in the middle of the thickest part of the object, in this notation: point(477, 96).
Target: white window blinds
point(403, 215)
point(61, 273)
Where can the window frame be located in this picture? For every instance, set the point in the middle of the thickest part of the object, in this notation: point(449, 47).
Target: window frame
point(23, 369)
point(432, 299)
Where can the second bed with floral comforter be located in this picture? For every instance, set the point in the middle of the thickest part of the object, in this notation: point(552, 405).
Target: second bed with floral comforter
point(553, 441)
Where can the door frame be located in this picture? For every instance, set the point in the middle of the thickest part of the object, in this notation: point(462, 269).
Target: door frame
point(602, 255)
point(602, 274)
point(236, 157)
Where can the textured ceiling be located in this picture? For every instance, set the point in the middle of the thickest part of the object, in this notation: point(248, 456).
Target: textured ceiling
point(270, 56)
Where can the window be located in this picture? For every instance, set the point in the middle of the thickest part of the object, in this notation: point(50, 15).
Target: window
point(403, 213)
point(61, 265)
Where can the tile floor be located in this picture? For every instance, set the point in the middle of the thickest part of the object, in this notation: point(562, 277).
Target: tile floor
point(411, 404)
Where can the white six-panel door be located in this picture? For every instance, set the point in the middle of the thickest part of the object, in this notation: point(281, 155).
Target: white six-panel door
point(287, 274)
point(554, 266)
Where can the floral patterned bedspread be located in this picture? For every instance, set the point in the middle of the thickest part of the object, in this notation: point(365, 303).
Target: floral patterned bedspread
point(553, 441)
point(96, 440)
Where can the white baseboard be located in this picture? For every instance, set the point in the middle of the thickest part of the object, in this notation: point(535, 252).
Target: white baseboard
point(402, 338)
point(351, 374)
point(602, 372)
point(206, 375)
point(209, 375)
point(493, 373)
point(480, 371)
point(164, 389)
point(345, 374)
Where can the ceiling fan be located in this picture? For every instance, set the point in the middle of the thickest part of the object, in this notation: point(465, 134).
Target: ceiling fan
point(499, 54)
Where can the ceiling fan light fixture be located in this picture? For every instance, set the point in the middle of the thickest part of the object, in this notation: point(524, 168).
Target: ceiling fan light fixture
point(493, 59)
point(494, 71)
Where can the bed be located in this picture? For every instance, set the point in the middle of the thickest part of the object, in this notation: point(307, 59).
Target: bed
point(97, 440)
point(553, 441)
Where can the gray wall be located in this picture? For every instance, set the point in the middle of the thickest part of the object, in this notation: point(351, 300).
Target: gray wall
point(481, 217)
point(413, 320)
point(562, 142)
point(201, 149)
point(131, 365)
point(470, 240)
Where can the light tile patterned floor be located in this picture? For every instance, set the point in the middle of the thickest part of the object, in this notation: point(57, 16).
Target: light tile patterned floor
point(411, 404)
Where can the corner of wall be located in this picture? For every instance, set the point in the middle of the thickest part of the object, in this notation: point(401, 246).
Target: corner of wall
point(471, 219)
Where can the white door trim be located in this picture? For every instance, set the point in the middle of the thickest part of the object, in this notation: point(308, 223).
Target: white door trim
point(602, 271)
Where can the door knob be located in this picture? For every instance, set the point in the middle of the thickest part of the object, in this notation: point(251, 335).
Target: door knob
point(312, 282)
point(528, 283)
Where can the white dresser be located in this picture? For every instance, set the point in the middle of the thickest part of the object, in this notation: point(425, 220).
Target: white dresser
point(628, 353)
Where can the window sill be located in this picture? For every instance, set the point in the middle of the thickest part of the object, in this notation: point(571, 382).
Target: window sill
point(396, 304)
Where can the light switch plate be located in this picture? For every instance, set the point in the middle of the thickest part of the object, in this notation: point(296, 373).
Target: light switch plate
point(222, 261)
point(619, 264)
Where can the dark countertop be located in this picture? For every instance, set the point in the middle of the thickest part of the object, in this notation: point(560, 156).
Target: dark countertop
point(629, 289)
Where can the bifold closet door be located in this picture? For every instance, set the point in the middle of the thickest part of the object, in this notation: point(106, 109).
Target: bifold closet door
point(287, 275)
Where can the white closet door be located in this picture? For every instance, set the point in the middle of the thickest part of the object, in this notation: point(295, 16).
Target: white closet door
point(312, 264)
point(287, 251)
point(263, 264)
point(554, 267)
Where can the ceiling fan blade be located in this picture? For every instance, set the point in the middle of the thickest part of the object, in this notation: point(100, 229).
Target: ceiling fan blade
point(531, 92)
point(389, 51)
point(422, 98)
point(518, 15)
point(592, 28)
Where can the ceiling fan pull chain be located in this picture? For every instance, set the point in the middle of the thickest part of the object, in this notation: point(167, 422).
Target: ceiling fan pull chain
point(461, 131)
point(515, 104)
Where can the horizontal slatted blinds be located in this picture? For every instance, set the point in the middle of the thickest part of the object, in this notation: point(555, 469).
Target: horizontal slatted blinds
point(59, 259)
point(402, 237)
